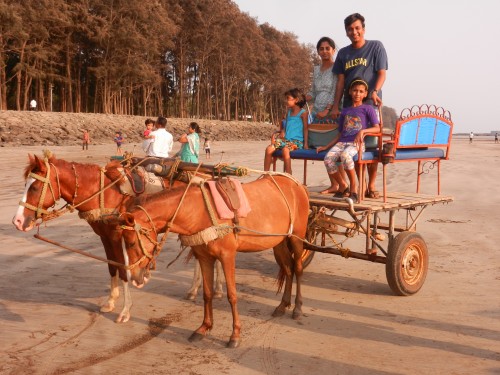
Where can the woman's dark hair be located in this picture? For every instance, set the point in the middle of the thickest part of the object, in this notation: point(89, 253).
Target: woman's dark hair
point(349, 20)
point(195, 127)
point(325, 39)
point(297, 94)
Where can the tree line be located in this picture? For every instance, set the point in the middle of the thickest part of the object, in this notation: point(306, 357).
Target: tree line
point(179, 58)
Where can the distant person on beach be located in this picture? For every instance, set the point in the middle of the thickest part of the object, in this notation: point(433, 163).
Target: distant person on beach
point(162, 141)
point(206, 146)
point(118, 139)
point(33, 105)
point(354, 123)
point(148, 139)
point(190, 149)
point(295, 134)
point(366, 59)
point(85, 140)
point(471, 137)
point(496, 137)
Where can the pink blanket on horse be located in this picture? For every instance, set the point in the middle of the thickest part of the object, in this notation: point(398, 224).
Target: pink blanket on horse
point(221, 206)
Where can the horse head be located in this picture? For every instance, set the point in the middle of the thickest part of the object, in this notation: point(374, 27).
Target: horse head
point(42, 190)
point(140, 247)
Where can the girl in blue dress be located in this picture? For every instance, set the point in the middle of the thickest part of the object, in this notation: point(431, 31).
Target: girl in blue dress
point(294, 135)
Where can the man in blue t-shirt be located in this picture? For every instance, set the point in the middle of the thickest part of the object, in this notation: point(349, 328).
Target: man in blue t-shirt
point(366, 59)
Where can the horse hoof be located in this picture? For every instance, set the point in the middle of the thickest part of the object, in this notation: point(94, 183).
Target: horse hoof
point(278, 312)
point(196, 337)
point(297, 315)
point(233, 343)
point(107, 308)
point(191, 297)
point(122, 318)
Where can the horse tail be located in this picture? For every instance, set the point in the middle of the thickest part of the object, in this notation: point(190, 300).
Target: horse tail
point(280, 280)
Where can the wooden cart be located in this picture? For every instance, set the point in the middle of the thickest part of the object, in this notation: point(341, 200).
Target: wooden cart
point(397, 245)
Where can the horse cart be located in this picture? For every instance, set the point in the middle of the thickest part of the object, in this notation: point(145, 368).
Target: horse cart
point(333, 221)
point(422, 134)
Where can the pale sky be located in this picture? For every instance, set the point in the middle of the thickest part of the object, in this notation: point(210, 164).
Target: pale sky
point(445, 53)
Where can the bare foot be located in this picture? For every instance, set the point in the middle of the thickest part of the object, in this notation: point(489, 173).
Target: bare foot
point(330, 190)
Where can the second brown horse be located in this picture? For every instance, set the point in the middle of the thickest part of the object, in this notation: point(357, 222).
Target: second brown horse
point(278, 220)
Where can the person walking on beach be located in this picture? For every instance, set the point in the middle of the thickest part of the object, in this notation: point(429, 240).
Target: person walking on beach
point(366, 59)
point(496, 137)
point(163, 141)
point(33, 105)
point(471, 137)
point(85, 140)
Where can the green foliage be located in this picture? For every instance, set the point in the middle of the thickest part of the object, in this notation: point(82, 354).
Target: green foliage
point(178, 58)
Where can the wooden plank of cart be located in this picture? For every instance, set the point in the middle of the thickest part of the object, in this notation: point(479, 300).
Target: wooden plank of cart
point(402, 250)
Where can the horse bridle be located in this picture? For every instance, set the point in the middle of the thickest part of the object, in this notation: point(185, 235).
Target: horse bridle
point(39, 210)
point(139, 231)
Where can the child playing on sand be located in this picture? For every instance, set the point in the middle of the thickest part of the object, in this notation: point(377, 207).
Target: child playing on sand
point(294, 136)
point(118, 140)
point(354, 123)
point(206, 146)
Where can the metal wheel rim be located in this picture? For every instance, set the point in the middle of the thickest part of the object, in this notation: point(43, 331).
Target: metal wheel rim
point(412, 265)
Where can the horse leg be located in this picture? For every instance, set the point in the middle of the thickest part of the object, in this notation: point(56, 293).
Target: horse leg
point(207, 272)
point(228, 265)
point(218, 279)
point(127, 304)
point(297, 248)
point(114, 293)
point(193, 291)
point(284, 260)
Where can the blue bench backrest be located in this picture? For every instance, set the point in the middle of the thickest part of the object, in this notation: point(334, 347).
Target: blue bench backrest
point(424, 131)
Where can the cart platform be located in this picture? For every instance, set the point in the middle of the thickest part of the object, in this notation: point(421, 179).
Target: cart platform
point(332, 221)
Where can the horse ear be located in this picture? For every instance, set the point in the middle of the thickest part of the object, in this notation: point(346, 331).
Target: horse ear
point(39, 164)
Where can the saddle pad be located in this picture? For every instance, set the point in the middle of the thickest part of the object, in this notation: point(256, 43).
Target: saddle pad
point(222, 209)
point(153, 184)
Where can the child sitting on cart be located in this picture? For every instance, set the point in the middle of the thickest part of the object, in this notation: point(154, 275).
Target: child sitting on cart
point(294, 135)
point(354, 123)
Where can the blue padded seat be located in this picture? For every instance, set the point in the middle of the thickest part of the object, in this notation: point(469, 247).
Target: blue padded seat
point(419, 153)
point(311, 154)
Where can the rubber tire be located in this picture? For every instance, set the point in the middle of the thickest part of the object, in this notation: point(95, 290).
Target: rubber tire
point(307, 257)
point(407, 263)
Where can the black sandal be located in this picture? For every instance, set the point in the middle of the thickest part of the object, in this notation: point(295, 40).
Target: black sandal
point(342, 194)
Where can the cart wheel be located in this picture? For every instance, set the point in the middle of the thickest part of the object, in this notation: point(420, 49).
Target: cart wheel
point(307, 257)
point(407, 262)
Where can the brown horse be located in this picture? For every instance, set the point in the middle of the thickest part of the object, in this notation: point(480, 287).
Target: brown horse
point(49, 179)
point(278, 220)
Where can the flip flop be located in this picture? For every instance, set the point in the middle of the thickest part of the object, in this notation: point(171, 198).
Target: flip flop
point(373, 194)
point(342, 194)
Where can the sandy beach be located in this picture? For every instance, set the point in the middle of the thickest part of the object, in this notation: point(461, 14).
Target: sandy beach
point(49, 300)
